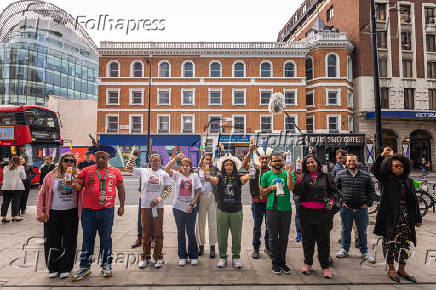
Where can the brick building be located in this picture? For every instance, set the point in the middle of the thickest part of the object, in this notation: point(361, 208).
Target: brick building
point(204, 93)
point(406, 41)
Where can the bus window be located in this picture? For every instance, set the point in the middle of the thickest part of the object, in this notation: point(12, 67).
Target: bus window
point(7, 118)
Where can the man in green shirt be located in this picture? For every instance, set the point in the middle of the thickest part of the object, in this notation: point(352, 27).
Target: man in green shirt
point(276, 185)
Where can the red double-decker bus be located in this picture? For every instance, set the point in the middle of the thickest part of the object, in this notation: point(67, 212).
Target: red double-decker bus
point(31, 131)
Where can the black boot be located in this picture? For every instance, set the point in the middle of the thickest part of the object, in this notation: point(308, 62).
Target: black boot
point(212, 252)
point(255, 254)
point(200, 250)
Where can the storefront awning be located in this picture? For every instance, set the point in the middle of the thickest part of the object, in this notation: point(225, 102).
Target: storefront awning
point(158, 140)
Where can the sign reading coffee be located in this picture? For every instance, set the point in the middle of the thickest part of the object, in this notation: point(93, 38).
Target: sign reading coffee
point(336, 140)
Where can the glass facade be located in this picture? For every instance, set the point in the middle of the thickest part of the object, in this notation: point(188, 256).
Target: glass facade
point(39, 62)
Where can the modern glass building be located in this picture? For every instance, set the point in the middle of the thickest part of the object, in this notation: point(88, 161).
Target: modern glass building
point(44, 52)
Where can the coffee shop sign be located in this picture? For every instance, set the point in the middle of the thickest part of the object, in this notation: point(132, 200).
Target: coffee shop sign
point(336, 139)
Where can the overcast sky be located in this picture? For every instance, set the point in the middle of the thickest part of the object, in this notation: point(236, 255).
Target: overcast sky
point(182, 20)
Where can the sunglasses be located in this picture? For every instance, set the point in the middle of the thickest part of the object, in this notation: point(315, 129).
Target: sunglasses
point(66, 160)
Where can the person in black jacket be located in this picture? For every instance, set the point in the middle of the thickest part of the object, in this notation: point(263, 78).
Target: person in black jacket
point(30, 173)
point(45, 168)
point(86, 162)
point(317, 194)
point(356, 194)
point(399, 213)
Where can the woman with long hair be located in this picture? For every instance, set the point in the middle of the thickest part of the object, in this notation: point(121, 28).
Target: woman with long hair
point(229, 214)
point(317, 194)
point(58, 208)
point(207, 204)
point(12, 188)
point(185, 207)
point(398, 214)
point(30, 173)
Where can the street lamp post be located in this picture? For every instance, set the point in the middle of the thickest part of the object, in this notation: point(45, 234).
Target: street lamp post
point(149, 101)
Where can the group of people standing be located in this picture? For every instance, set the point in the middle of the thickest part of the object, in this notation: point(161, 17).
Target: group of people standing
point(16, 182)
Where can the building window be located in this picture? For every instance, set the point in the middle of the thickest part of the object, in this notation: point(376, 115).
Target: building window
point(431, 42)
point(409, 98)
point(350, 101)
point(265, 70)
point(188, 70)
point(290, 98)
point(266, 124)
point(187, 123)
point(430, 15)
point(112, 124)
point(290, 70)
point(406, 40)
point(333, 124)
point(239, 97)
point(349, 69)
point(431, 70)
point(309, 68)
point(265, 96)
point(214, 124)
point(164, 69)
point(164, 97)
point(310, 124)
point(188, 97)
point(114, 69)
point(382, 39)
point(290, 122)
point(404, 14)
point(384, 96)
point(332, 66)
point(163, 123)
point(135, 124)
point(383, 66)
point(113, 97)
point(333, 97)
point(215, 70)
point(407, 68)
point(136, 97)
point(432, 99)
point(380, 11)
point(350, 124)
point(215, 98)
point(309, 100)
point(239, 124)
point(137, 70)
point(330, 13)
point(239, 70)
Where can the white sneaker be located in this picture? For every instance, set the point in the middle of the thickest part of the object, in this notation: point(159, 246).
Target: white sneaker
point(182, 262)
point(368, 258)
point(222, 263)
point(342, 254)
point(64, 275)
point(159, 264)
point(237, 263)
point(194, 262)
point(143, 264)
point(53, 274)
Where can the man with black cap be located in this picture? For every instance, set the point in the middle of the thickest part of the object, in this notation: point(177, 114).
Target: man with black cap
point(100, 183)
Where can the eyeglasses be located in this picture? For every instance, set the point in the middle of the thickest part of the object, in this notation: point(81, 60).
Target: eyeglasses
point(65, 160)
point(398, 166)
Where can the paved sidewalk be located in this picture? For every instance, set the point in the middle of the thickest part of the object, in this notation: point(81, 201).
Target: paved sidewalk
point(22, 262)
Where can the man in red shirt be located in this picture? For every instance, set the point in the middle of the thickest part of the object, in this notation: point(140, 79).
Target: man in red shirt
point(99, 183)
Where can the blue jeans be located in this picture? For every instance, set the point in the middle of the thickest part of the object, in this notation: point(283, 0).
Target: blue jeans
point(94, 220)
point(139, 225)
point(297, 218)
point(185, 223)
point(258, 209)
point(360, 215)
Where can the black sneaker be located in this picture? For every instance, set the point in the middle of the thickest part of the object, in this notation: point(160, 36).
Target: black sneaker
point(136, 243)
point(200, 250)
point(276, 270)
point(255, 254)
point(285, 269)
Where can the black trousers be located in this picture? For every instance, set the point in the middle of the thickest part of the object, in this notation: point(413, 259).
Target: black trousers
point(8, 196)
point(60, 234)
point(24, 197)
point(315, 227)
point(278, 224)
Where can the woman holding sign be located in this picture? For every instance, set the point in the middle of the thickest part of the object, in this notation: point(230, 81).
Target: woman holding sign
point(186, 194)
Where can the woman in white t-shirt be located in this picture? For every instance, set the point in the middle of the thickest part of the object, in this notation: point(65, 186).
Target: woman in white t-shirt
point(12, 188)
point(186, 193)
point(155, 187)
